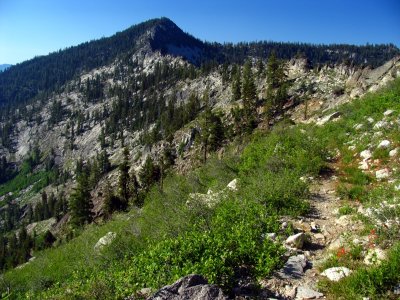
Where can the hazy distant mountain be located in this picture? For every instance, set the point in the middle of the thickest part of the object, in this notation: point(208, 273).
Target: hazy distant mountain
point(4, 66)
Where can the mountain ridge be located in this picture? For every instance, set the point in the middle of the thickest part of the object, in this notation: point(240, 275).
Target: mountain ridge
point(48, 73)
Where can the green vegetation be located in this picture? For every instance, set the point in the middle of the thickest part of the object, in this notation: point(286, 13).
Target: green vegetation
point(174, 234)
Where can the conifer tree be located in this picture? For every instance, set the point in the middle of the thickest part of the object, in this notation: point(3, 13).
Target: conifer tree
point(277, 84)
point(249, 95)
point(236, 83)
point(123, 182)
point(80, 203)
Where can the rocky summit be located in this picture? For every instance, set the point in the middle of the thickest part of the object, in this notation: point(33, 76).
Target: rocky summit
point(270, 170)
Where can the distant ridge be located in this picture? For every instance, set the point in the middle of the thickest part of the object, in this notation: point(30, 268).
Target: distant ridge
point(44, 74)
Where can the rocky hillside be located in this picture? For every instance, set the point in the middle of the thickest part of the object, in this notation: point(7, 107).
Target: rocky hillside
point(154, 150)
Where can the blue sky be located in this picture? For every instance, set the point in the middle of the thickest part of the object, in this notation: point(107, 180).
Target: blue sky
point(37, 27)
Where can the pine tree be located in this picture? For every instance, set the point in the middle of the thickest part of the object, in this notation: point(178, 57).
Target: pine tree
point(80, 203)
point(236, 83)
point(249, 95)
point(149, 174)
point(123, 182)
point(277, 84)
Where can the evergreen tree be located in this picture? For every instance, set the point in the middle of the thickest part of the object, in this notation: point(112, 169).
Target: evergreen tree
point(80, 203)
point(249, 95)
point(149, 174)
point(123, 182)
point(236, 83)
point(277, 84)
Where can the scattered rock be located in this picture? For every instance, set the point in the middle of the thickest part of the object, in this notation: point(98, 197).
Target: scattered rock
point(393, 152)
point(382, 174)
point(193, 287)
point(272, 236)
point(370, 120)
point(105, 240)
point(396, 289)
point(363, 165)
point(328, 118)
point(384, 144)
point(294, 267)
point(365, 154)
point(232, 185)
point(358, 126)
point(381, 125)
point(336, 273)
point(305, 293)
point(374, 256)
point(388, 112)
point(343, 220)
point(319, 236)
point(296, 241)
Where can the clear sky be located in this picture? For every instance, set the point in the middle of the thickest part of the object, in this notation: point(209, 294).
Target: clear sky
point(37, 27)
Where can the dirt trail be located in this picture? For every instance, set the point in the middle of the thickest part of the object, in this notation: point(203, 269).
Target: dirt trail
point(325, 229)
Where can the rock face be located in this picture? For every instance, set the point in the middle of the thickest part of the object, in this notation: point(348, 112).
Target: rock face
point(105, 240)
point(336, 273)
point(191, 287)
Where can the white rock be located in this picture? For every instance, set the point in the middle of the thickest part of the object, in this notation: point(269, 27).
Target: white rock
point(296, 241)
point(105, 240)
point(363, 165)
point(336, 273)
point(388, 112)
point(330, 117)
point(382, 174)
point(352, 148)
point(232, 185)
point(384, 144)
point(370, 120)
point(393, 152)
point(358, 126)
point(381, 124)
point(365, 154)
point(374, 256)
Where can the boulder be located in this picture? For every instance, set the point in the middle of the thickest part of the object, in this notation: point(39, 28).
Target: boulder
point(381, 125)
point(384, 144)
point(382, 174)
point(328, 118)
point(363, 165)
point(393, 152)
point(193, 287)
point(296, 241)
point(388, 112)
point(232, 185)
point(294, 267)
point(365, 154)
point(304, 292)
point(105, 240)
point(358, 126)
point(336, 273)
